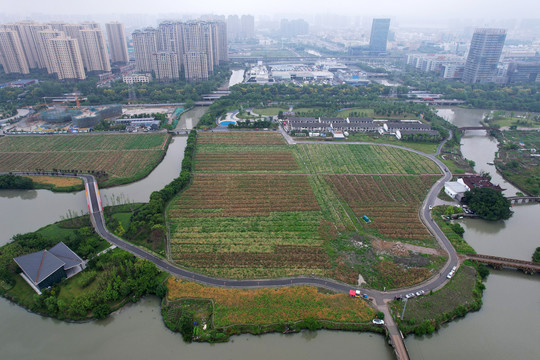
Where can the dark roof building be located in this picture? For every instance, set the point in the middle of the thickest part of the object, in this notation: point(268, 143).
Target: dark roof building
point(46, 268)
point(475, 181)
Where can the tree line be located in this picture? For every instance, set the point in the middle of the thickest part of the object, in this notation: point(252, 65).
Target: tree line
point(148, 222)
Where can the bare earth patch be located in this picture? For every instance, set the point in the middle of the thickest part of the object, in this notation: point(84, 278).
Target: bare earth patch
point(402, 249)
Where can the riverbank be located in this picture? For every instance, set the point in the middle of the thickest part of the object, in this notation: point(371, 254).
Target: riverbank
point(109, 281)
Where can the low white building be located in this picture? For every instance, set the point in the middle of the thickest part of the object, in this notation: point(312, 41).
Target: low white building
point(137, 78)
point(455, 189)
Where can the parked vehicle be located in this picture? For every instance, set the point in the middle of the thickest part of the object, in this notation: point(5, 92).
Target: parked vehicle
point(408, 296)
point(378, 322)
point(420, 293)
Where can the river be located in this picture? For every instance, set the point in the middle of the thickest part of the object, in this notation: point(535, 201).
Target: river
point(505, 327)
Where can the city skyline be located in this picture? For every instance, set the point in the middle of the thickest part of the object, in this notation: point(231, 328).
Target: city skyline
point(483, 9)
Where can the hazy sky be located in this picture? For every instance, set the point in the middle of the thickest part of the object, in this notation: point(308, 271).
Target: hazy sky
point(479, 9)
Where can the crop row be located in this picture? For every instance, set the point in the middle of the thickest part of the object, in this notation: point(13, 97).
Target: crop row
point(391, 202)
point(241, 138)
point(245, 195)
point(363, 159)
point(115, 163)
point(209, 162)
point(86, 142)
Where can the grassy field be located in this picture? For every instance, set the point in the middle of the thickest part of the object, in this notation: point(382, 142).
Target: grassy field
point(363, 112)
point(363, 159)
point(438, 307)
point(123, 157)
point(258, 208)
point(270, 111)
point(266, 306)
point(425, 147)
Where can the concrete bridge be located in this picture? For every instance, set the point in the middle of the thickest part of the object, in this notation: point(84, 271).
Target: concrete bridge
point(476, 128)
point(498, 263)
point(523, 199)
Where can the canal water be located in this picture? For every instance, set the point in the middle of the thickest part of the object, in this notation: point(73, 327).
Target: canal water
point(506, 326)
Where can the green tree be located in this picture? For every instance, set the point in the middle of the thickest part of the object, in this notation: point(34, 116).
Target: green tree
point(489, 203)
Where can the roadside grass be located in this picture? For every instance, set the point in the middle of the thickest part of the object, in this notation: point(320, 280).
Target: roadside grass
point(452, 166)
point(272, 305)
point(425, 147)
point(461, 246)
point(462, 294)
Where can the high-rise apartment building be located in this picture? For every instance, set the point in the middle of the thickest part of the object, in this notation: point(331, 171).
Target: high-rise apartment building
point(27, 31)
point(12, 55)
point(199, 36)
point(484, 54)
point(247, 30)
point(117, 42)
point(166, 66)
point(65, 58)
point(379, 35)
point(45, 47)
point(96, 56)
point(195, 66)
point(233, 27)
point(145, 43)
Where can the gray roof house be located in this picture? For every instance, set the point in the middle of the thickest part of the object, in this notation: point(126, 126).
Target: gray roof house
point(46, 268)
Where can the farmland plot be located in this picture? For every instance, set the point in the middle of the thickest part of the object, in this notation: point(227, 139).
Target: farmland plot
point(363, 159)
point(245, 161)
point(124, 157)
point(241, 138)
point(244, 195)
point(391, 202)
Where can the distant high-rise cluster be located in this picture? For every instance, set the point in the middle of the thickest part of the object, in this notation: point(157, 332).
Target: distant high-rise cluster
point(240, 28)
point(292, 28)
point(195, 46)
point(67, 50)
point(484, 54)
point(379, 35)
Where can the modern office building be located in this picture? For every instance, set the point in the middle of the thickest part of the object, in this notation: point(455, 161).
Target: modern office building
point(65, 58)
point(379, 35)
point(117, 42)
point(145, 43)
point(195, 66)
point(523, 72)
point(165, 64)
point(12, 55)
point(93, 42)
point(484, 54)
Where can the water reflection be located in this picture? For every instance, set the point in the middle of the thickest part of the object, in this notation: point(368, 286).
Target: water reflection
point(23, 195)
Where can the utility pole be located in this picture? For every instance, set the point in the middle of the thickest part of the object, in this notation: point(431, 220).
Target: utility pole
point(404, 307)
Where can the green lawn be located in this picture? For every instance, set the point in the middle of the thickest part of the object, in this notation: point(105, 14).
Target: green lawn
point(362, 159)
point(425, 147)
point(270, 111)
point(514, 121)
point(363, 112)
